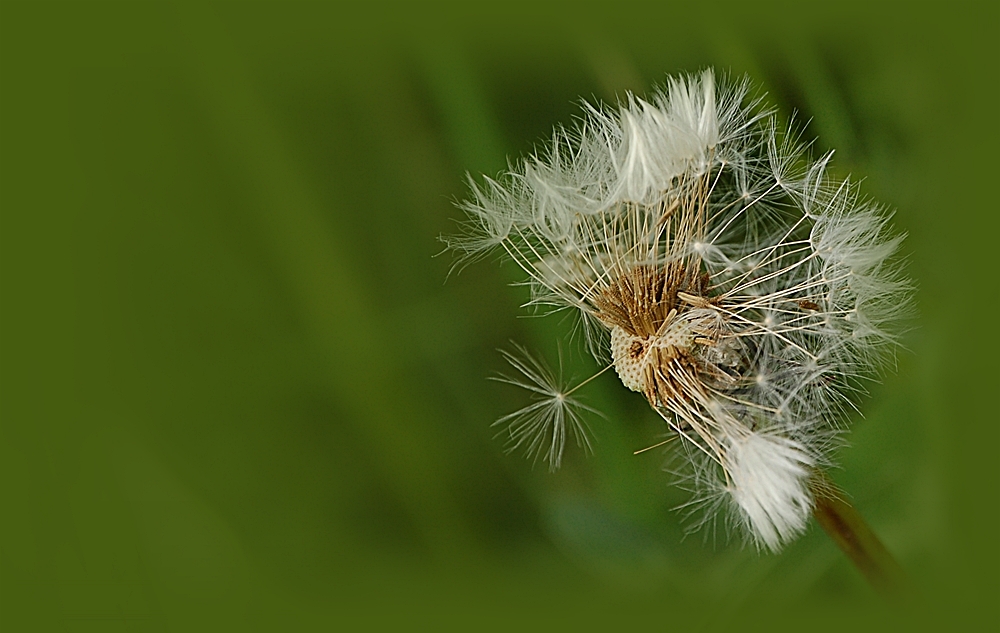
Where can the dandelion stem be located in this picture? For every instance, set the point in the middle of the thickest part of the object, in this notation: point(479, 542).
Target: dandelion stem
point(852, 534)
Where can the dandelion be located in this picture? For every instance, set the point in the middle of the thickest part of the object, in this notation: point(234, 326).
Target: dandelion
point(724, 274)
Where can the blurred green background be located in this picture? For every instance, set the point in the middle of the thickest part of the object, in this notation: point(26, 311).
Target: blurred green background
point(238, 392)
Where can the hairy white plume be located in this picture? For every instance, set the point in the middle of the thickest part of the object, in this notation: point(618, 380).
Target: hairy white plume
point(769, 485)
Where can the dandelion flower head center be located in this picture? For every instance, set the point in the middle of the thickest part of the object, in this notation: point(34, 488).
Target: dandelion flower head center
point(643, 344)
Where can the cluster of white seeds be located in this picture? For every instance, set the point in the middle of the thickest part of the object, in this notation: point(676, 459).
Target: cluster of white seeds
point(736, 285)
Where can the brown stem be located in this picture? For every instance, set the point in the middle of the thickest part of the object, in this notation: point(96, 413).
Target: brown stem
point(851, 533)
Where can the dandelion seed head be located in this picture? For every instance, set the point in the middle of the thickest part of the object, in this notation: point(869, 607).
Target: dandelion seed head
point(737, 285)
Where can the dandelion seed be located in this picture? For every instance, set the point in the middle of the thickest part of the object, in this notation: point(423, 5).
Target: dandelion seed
point(737, 286)
point(540, 428)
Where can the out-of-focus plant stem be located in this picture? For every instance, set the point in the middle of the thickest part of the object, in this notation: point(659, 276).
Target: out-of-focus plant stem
point(854, 537)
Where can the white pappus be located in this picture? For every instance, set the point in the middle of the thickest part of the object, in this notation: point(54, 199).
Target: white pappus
point(734, 283)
